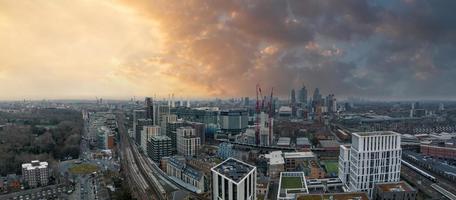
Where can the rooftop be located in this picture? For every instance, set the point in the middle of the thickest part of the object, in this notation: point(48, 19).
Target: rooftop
point(302, 141)
point(395, 187)
point(275, 158)
point(338, 196)
point(292, 183)
point(302, 154)
point(375, 133)
point(329, 143)
point(233, 169)
point(34, 165)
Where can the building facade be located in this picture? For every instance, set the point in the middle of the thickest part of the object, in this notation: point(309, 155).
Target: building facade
point(35, 173)
point(159, 147)
point(374, 157)
point(188, 143)
point(147, 133)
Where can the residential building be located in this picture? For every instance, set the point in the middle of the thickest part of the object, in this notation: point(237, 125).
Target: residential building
point(188, 143)
point(234, 180)
point(147, 133)
point(192, 178)
point(374, 157)
point(35, 173)
point(158, 147)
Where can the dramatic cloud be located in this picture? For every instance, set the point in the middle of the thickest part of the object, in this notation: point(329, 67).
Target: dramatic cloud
point(387, 49)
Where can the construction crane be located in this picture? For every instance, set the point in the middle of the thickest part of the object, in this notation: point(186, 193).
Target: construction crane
point(271, 113)
point(258, 111)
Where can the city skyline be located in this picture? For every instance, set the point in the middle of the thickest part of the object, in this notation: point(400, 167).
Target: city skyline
point(120, 49)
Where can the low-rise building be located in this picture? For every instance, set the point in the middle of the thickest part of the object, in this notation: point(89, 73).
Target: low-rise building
point(189, 177)
point(291, 184)
point(394, 191)
point(276, 163)
point(295, 159)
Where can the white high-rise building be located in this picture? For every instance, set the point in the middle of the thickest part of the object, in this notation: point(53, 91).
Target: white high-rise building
point(374, 157)
point(35, 173)
point(146, 135)
point(233, 180)
point(188, 143)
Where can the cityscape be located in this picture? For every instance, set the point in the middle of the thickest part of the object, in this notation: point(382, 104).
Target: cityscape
point(228, 100)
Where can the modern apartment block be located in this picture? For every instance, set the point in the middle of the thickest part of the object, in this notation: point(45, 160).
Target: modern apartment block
point(188, 143)
point(158, 147)
point(234, 180)
point(374, 157)
point(35, 173)
point(147, 133)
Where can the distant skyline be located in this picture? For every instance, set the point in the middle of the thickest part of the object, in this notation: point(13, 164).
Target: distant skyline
point(80, 49)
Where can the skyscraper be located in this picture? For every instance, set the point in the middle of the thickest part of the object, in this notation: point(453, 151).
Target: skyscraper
point(303, 96)
point(149, 108)
point(293, 103)
point(374, 157)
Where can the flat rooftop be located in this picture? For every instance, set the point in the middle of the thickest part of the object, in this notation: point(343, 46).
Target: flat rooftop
point(233, 169)
point(375, 133)
point(302, 154)
point(395, 187)
point(336, 196)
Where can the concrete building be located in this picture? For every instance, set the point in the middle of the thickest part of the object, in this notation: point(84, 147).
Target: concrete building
point(293, 160)
point(35, 173)
point(233, 179)
point(374, 157)
point(147, 133)
point(159, 147)
point(188, 143)
point(276, 163)
point(344, 164)
point(394, 191)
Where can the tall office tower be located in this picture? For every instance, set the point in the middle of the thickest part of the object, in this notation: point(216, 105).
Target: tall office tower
point(293, 103)
point(35, 173)
point(147, 133)
point(331, 103)
point(159, 147)
point(149, 108)
point(188, 143)
point(139, 127)
point(316, 95)
point(233, 179)
point(137, 114)
point(303, 96)
point(293, 97)
point(374, 157)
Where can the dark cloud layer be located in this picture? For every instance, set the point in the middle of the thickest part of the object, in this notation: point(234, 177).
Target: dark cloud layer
point(386, 49)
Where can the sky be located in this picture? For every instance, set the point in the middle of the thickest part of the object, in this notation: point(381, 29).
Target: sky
point(82, 49)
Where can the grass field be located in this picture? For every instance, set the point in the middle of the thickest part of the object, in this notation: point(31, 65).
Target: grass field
point(331, 166)
point(291, 182)
point(83, 169)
